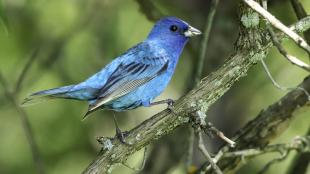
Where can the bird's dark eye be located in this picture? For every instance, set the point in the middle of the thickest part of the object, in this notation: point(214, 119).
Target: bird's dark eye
point(173, 28)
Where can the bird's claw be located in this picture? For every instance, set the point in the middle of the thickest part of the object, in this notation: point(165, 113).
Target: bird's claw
point(121, 136)
point(170, 103)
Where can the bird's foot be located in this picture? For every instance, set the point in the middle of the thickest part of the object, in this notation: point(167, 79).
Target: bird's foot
point(121, 135)
point(170, 103)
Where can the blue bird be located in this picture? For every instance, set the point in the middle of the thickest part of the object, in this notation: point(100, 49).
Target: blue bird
point(134, 78)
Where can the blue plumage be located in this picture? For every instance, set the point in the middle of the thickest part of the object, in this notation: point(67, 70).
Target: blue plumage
point(135, 78)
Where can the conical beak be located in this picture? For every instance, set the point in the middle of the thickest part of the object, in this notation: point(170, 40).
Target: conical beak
point(192, 32)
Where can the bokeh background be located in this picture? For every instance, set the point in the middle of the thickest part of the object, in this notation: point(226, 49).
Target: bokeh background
point(69, 40)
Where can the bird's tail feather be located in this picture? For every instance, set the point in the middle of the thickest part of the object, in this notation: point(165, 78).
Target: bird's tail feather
point(45, 95)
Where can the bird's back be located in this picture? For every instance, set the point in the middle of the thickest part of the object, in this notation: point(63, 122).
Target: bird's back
point(137, 76)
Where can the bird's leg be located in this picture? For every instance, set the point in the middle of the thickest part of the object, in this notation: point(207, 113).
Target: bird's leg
point(168, 101)
point(119, 133)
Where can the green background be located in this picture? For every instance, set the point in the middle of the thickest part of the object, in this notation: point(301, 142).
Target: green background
point(76, 38)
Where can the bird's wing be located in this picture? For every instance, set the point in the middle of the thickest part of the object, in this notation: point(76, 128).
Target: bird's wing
point(129, 75)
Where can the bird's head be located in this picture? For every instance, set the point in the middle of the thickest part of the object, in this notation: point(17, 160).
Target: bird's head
point(172, 32)
point(174, 29)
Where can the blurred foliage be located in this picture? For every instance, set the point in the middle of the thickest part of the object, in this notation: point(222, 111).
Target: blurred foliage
point(76, 38)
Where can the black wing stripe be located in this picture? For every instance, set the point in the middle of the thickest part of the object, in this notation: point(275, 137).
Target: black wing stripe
point(130, 68)
point(115, 77)
point(163, 69)
point(125, 88)
point(137, 71)
point(143, 69)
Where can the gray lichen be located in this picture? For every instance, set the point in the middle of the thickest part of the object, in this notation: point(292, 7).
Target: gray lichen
point(111, 167)
point(158, 132)
point(250, 20)
point(113, 156)
point(204, 105)
point(138, 137)
point(300, 27)
point(183, 119)
point(202, 117)
point(258, 56)
point(107, 144)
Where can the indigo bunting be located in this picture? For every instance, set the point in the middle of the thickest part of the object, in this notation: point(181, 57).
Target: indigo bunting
point(134, 78)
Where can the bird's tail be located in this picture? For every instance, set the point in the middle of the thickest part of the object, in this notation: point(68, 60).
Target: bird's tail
point(41, 96)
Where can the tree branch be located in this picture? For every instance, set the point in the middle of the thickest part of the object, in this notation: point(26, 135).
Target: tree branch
point(276, 23)
point(205, 152)
point(294, 60)
point(301, 13)
point(265, 127)
point(301, 161)
point(206, 93)
point(300, 144)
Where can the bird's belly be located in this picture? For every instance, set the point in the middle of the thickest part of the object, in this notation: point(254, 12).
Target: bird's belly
point(145, 93)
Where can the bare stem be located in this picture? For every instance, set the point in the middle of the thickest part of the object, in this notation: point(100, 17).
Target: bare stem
point(26, 126)
point(294, 60)
point(205, 40)
point(25, 70)
point(205, 152)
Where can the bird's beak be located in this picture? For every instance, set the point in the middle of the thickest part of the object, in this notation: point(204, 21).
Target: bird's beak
point(191, 31)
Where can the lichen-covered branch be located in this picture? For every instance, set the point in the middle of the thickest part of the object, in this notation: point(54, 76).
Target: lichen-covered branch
point(276, 23)
point(301, 160)
point(270, 123)
point(299, 144)
point(210, 89)
point(301, 13)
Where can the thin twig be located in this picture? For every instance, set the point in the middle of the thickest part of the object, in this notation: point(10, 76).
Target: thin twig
point(273, 161)
point(299, 9)
point(5, 28)
point(301, 13)
point(301, 161)
point(205, 152)
point(189, 156)
point(264, 128)
point(142, 164)
point(210, 128)
point(205, 40)
point(276, 84)
point(26, 126)
point(25, 70)
point(294, 60)
point(149, 9)
point(199, 123)
point(3, 19)
point(276, 23)
point(276, 42)
point(217, 157)
point(301, 144)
